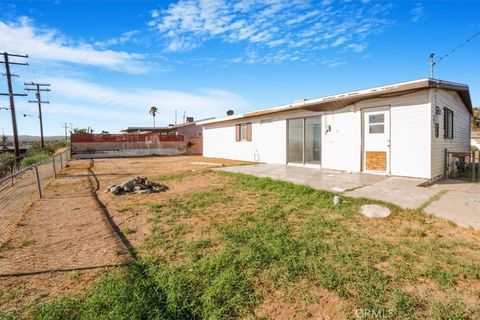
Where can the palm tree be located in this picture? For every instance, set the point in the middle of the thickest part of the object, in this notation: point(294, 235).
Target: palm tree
point(153, 112)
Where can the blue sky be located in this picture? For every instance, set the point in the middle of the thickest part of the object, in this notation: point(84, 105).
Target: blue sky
point(109, 61)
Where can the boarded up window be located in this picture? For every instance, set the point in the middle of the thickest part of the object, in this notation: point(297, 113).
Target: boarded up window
point(376, 160)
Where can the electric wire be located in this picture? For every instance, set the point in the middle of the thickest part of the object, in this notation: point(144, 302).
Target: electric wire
point(458, 47)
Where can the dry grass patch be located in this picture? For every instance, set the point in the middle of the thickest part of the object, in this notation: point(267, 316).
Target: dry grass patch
point(223, 245)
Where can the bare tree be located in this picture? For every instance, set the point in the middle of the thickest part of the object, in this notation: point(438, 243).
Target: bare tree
point(153, 112)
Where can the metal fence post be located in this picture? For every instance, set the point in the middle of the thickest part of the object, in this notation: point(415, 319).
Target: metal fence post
point(54, 171)
point(39, 187)
point(445, 169)
point(473, 165)
point(61, 161)
point(11, 172)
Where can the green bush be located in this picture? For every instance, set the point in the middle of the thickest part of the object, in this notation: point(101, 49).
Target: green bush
point(32, 159)
point(6, 160)
point(50, 147)
point(35, 153)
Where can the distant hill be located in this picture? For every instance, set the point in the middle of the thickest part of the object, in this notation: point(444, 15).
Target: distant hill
point(26, 138)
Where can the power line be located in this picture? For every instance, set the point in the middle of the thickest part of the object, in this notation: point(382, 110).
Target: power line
point(20, 113)
point(459, 46)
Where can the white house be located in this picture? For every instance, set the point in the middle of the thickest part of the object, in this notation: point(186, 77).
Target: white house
point(399, 130)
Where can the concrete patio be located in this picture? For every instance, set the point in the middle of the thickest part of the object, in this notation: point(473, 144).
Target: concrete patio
point(453, 200)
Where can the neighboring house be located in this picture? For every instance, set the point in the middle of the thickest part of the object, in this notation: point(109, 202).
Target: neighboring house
point(189, 128)
point(401, 130)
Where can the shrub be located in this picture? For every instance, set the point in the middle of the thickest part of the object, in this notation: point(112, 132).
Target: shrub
point(6, 160)
point(32, 159)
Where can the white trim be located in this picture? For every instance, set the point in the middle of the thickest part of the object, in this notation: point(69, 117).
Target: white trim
point(388, 169)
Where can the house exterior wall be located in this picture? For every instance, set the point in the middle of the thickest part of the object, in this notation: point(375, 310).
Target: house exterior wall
point(411, 137)
point(461, 129)
point(341, 146)
point(190, 130)
point(268, 141)
point(409, 133)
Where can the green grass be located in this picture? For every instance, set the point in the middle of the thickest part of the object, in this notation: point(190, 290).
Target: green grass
point(263, 236)
point(127, 230)
point(175, 176)
point(26, 242)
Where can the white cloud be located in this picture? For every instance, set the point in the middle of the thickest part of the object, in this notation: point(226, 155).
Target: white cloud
point(49, 45)
point(122, 39)
point(80, 98)
point(155, 14)
point(339, 41)
point(270, 27)
point(418, 12)
point(357, 47)
point(333, 62)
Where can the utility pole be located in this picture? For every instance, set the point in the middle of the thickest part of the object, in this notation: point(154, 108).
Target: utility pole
point(432, 64)
point(66, 126)
point(38, 87)
point(11, 95)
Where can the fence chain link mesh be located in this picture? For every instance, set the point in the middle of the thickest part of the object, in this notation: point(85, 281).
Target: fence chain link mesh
point(19, 190)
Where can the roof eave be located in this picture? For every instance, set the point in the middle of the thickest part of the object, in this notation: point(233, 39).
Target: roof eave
point(340, 101)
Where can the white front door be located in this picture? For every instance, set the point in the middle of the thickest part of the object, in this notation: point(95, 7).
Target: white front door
point(376, 140)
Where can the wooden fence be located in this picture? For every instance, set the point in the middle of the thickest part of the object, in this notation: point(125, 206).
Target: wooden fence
point(131, 145)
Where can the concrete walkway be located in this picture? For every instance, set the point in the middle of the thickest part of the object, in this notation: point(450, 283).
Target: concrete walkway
point(459, 202)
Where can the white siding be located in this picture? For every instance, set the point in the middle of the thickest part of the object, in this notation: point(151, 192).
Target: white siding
point(268, 142)
point(409, 133)
point(461, 128)
point(341, 147)
point(414, 151)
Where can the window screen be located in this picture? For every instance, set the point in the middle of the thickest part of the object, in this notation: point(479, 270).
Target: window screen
point(376, 128)
point(376, 118)
point(376, 123)
point(243, 132)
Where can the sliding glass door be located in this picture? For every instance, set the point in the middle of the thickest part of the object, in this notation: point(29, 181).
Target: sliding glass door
point(295, 140)
point(312, 140)
point(304, 140)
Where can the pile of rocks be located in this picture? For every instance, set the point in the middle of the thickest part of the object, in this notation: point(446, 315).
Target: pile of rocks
point(137, 185)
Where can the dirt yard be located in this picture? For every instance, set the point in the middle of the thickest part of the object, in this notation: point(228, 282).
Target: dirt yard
point(64, 240)
point(221, 245)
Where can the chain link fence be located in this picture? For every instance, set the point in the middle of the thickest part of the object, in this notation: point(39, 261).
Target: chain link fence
point(463, 165)
point(20, 189)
